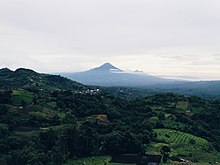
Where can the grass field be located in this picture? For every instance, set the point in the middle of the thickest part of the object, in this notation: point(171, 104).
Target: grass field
point(18, 96)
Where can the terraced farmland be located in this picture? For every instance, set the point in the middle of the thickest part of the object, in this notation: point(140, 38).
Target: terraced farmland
point(176, 137)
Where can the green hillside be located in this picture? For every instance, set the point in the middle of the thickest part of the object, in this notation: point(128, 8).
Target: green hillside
point(47, 119)
point(29, 79)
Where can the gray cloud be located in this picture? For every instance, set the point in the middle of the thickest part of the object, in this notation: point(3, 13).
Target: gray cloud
point(61, 36)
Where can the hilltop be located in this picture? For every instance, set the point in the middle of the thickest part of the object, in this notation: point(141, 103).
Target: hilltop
point(27, 78)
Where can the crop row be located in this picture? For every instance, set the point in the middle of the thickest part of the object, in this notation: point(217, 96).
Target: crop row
point(176, 137)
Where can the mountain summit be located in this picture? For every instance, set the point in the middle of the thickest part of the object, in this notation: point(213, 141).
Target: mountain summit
point(109, 75)
point(106, 67)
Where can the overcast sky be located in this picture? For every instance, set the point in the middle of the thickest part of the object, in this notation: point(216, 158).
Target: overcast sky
point(160, 37)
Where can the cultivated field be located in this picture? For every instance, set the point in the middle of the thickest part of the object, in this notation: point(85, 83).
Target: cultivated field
point(176, 137)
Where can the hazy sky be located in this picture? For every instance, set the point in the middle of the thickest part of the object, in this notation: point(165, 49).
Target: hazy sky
point(161, 37)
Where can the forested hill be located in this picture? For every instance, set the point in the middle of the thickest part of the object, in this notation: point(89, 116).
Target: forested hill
point(64, 120)
point(26, 78)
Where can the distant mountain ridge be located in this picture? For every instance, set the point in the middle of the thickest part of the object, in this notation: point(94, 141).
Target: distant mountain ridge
point(106, 75)
point(109, 75)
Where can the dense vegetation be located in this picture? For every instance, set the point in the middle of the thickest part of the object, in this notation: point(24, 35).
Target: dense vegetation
point(47, 119)
point(203, 89)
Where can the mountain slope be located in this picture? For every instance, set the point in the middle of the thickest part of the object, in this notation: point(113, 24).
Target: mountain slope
point(109, 75)
point(26, 78)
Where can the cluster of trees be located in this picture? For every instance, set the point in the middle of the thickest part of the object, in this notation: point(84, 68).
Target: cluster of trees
point(70, 133)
